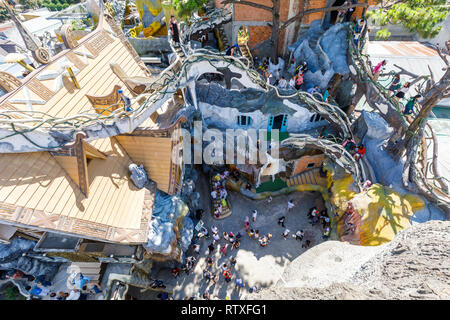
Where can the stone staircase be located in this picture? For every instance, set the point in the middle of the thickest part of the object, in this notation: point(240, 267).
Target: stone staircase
point(88, 269)
point(180, 53)
point(308, 177)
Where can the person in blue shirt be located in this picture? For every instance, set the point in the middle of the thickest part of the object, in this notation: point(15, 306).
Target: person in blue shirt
point(126, 101)
point(82, 281)
point(37, 291)
point(409, 107)
point(239, 283)
point(313, 89)
point(326, 94)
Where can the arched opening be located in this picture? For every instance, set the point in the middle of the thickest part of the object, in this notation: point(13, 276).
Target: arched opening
point(212, 77)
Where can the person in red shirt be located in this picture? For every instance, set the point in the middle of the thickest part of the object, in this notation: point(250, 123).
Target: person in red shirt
point(227, 275)
point(298, 81)
point(360, 152)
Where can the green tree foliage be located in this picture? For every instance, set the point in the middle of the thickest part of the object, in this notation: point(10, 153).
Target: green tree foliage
point(3, 14)
point(185, 8)
point(30, 4)
point(57, 5)
point(420, 16)
point(12, 293)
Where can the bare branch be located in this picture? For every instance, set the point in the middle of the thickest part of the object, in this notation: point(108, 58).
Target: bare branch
point(248, 3)
point(442, 55)
point(306, 12)
point(431, 74)
point(405, 72)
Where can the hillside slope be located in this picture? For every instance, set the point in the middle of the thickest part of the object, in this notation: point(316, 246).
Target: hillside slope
point(415, 265)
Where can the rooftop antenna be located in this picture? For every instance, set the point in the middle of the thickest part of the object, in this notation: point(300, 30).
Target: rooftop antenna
point(39, 53)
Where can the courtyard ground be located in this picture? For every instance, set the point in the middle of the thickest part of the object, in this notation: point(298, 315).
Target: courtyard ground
point(256, 265)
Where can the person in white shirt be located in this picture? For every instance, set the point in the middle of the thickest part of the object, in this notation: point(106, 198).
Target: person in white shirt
point(402, 91)
point(214, 194)
point(292, 82)
point(290, 205)
point(299, 235)
point(282, 83)
point(225, 236)
point(285, 233)
point(196, 248)
point(277, 74)
point(254, 215)
point(214, 229)
point(223, 193)
point(224, 267)
point(74, 295)
point(216, 237)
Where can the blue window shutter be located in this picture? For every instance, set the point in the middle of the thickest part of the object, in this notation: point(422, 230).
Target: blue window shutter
point(284, 123)
point(269, 129)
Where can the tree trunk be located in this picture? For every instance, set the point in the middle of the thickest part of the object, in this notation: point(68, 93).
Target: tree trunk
point(275, 31)
point(401, 146)
point(430, 99)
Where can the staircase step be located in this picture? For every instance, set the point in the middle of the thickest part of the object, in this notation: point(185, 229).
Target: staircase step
point(87, 264)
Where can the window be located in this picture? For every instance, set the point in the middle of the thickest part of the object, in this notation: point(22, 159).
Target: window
point(315, 118)
point(310, 165)
point(244, 121)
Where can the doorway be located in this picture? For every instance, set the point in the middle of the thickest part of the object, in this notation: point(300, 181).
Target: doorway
point(334, 14)
point(278, 122)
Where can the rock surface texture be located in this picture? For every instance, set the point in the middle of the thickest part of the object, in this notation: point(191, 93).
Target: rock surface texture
point(415, 265)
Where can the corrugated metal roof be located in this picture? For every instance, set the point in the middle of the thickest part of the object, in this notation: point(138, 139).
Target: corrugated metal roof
point(401, 48)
